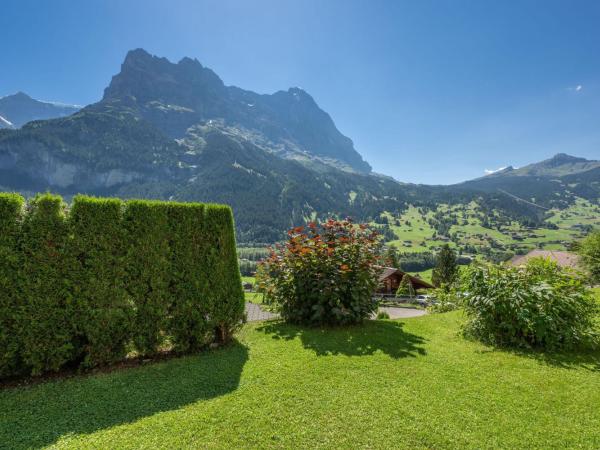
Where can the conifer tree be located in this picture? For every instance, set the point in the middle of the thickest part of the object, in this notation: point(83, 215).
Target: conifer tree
point(445, 271)
point(405, 289)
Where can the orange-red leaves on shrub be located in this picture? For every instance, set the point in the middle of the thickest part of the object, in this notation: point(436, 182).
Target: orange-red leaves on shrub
point(308, 281)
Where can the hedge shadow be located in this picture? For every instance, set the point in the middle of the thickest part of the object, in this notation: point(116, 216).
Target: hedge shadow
point(39, 415)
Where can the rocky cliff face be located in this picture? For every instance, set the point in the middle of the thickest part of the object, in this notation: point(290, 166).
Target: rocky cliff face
point(175, 97)
point(175, 131)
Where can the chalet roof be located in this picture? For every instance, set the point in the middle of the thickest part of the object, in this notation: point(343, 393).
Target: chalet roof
point(416, 281)
point(563, 259)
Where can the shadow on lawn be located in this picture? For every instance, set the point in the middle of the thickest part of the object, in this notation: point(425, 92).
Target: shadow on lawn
point(579, 359)
point(39, 415)
point(358, 340)
point(575, 359)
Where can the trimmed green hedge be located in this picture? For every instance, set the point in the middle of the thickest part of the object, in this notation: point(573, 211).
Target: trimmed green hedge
point(104, 310)
point(148, 272)
point(44, 295)
point(11, 211)
point(87, 286)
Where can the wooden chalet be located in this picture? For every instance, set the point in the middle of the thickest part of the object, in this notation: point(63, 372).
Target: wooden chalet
point(390, 279)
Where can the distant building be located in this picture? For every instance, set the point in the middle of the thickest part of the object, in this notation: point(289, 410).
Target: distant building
point(563, 259)
point(390, 279)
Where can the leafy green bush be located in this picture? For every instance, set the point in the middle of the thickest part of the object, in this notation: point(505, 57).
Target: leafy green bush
point(540, 305)
point(323, 275)
point(11, 212)
point(589, 251)
point(382, 315)
point(446, 299)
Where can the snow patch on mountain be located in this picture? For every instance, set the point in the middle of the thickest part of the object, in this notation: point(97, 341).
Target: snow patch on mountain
point(4, 123)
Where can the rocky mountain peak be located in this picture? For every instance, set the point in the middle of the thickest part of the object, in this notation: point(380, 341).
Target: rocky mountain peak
point(20, 96)
point(151, 78)
point(18, 109)
point(177, 96)
point(563, 158)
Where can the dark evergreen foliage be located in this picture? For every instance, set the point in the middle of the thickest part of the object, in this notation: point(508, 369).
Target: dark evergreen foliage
point(445, 271)
point(148, 271)
point(45, 298)
point(104, 312)
point(110, 277)
point(11, 211)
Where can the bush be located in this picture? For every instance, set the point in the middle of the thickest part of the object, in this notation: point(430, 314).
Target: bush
point(589, 251)
point(105, 313)
point(148, 272)
point(189, 325)
point(323, 275)
point(540, 305)
point(11, 212)
point(85, 287)
point(225, 283)
point(446, 299)
point(45, 298)
point(405, 289)
point(382, 315)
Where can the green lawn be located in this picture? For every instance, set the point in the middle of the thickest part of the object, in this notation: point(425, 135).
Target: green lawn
point(253, 297)
point(409, 384)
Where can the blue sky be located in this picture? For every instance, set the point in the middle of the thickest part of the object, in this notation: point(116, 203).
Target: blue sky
point(430, 91)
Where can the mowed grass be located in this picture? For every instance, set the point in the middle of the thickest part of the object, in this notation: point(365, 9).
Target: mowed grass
point(409, 384)
point(253, 297)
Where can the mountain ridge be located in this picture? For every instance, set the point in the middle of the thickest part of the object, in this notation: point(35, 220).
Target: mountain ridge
point(19, 108)
point(175, 96)
point(175, 131)
point(558, 165)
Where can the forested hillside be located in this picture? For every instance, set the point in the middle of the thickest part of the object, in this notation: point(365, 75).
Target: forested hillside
point(175, 131)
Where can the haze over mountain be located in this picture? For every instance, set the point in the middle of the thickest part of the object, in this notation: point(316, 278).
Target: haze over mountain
point(557, 166)
point(177, 96)
point(175, 131)
point(550, 182)
point(18, 109)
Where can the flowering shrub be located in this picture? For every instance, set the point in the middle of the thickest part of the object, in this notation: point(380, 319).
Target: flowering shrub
point(540, 305)
point(324, 275)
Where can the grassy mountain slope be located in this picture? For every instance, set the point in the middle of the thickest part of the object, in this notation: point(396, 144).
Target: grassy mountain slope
point(555, 182)
point(175, 131)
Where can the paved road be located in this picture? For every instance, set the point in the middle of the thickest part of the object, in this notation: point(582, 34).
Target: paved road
point(255, 313)
point(402, 313)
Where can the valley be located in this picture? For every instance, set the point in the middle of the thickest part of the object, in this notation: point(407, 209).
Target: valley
point(473, 232)
point(175, 131)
